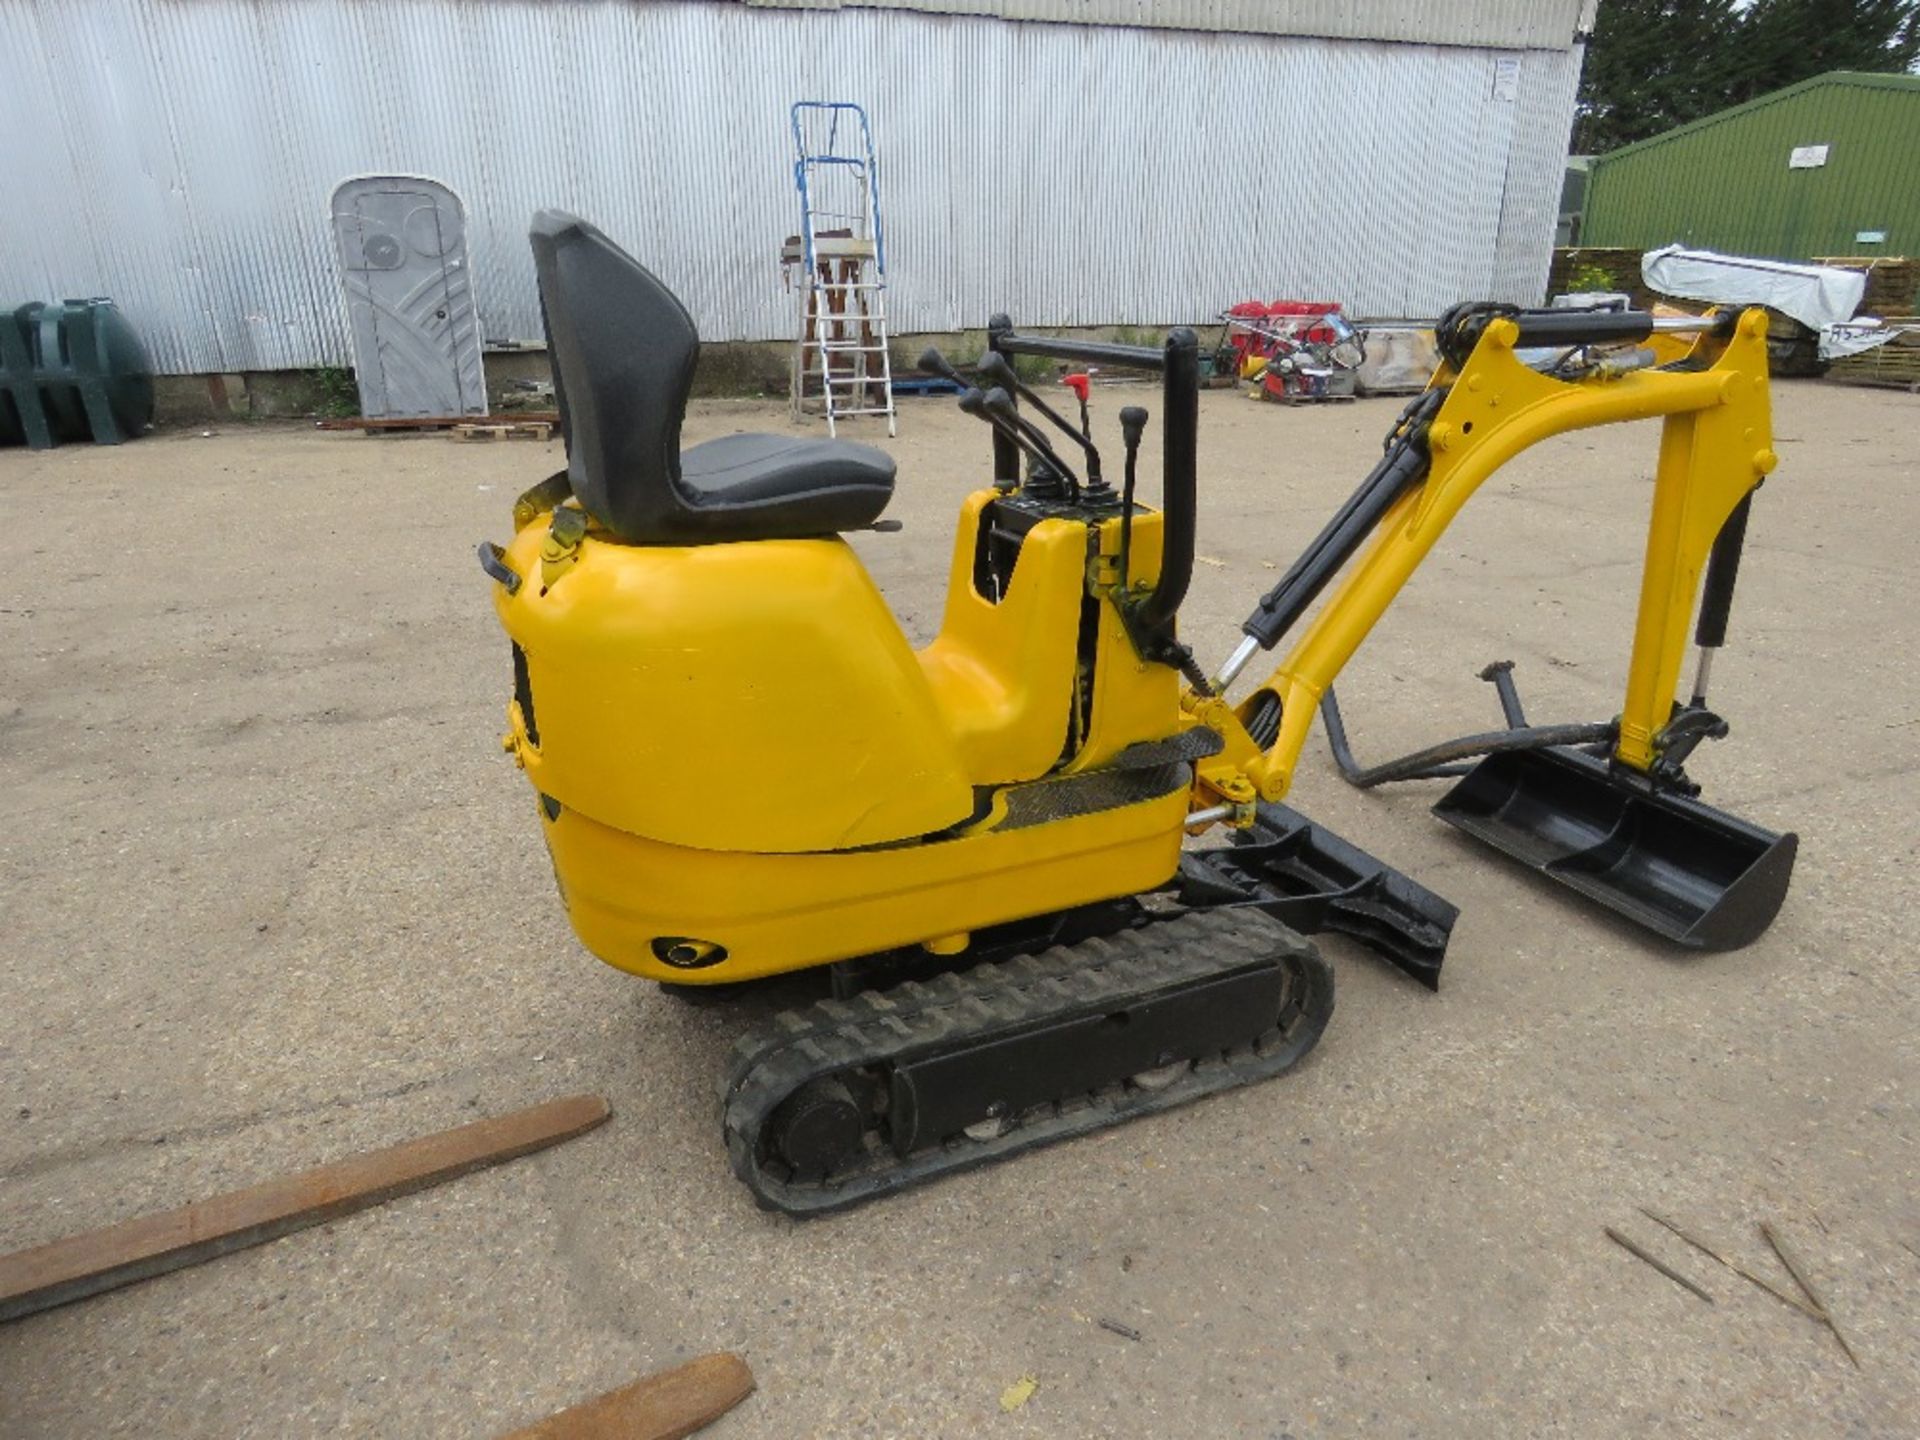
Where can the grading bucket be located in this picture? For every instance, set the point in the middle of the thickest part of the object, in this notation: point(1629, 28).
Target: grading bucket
point(1684, 870)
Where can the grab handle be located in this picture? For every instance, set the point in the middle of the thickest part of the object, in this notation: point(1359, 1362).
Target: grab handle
point(493, 561)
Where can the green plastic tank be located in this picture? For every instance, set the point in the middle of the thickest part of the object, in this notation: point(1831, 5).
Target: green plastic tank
point(75, 370)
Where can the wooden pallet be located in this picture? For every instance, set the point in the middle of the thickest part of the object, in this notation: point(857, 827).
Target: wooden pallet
point(436, 422)
point(516, 430)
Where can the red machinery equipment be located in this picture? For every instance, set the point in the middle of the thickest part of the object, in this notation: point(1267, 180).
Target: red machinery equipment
point(1290, 350)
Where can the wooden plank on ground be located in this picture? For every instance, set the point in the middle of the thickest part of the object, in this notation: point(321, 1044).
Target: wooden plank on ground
point(666, 1406)
point(100, 1260)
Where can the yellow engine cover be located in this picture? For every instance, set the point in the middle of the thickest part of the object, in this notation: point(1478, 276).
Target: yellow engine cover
point(745, 769)
point(752, 696)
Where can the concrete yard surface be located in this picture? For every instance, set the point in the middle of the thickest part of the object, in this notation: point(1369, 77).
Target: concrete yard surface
point(273, 895)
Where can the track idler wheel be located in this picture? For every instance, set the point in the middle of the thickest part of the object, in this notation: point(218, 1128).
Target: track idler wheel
point(818, 1128)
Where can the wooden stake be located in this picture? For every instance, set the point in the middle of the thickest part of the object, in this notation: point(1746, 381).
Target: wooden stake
point(1780, 1249)
point(1778, 1294)
point(101, 1260)
point(666, 1406)
point(1671, 1274)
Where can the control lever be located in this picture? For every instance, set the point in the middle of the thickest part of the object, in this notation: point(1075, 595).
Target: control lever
point(973, 401)
point(993, 365)
point(1005, 418)
point(1056, 474)
point(1081, 383)
point(934, 363)
point(1133, 425)
point(1044, 481)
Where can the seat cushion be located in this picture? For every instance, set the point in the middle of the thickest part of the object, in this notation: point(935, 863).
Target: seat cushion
point(764, 487)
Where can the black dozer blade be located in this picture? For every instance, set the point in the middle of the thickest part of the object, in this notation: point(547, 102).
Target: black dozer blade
point(1684, 870)
point(1311, 880)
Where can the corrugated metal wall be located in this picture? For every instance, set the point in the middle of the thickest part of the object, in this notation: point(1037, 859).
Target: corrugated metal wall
point(178, 155)
point(1724, 182)
point(1512, 24)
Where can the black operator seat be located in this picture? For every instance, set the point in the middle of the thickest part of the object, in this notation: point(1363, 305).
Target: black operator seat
point(623, 350)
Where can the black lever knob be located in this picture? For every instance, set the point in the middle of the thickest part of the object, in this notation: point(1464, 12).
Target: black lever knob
point(934, 363)
point(993, 365)
point(1133, 425)
point(998, 402)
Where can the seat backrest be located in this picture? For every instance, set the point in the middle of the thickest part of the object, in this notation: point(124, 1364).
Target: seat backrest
point(623, 350)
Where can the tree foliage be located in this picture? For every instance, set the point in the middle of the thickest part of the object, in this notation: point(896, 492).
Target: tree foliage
point(1655, 64)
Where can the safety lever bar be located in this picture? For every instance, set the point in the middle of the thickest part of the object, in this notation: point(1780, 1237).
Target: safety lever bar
point(1056, 347)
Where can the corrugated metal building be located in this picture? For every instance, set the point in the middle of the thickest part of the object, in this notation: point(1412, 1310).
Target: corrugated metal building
point(1830, 166)
point(1073, 162)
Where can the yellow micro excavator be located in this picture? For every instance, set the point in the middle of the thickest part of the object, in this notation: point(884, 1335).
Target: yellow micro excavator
point(743, 769)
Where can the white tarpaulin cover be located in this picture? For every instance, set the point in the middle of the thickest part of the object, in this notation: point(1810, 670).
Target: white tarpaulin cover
point(1815, 295)
point(1839, 341)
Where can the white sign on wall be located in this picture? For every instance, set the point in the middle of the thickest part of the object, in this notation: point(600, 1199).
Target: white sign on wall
point(1506, 78)
point(1807, 157)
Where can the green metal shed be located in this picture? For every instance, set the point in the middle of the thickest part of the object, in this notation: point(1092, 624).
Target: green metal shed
point(1830, 166)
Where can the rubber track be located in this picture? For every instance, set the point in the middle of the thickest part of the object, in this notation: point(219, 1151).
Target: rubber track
point(918, 1018)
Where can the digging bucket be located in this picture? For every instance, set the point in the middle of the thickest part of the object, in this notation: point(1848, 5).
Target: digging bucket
point(1684, 870)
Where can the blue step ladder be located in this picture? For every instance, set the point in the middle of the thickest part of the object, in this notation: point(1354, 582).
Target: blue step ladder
point(841, 366)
